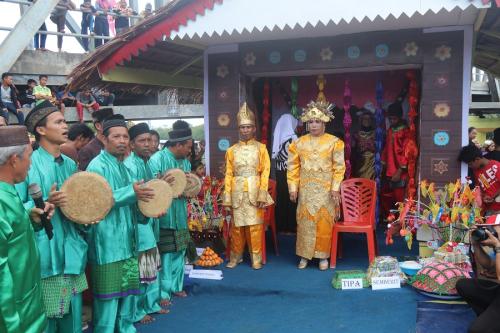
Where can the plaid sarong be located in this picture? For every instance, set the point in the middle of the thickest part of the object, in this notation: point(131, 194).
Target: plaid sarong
point(58, 290)
point(115, 280)
point(172, 240)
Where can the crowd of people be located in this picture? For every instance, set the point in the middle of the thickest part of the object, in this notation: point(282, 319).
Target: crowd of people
point(131, 277)
point(103, 18)
point(14, 101)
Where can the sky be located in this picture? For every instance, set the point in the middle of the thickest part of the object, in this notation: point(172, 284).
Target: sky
point(10, 14)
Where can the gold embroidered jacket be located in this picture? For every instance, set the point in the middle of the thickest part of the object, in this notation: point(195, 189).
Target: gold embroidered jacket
point(316, 167)
point(247, 170)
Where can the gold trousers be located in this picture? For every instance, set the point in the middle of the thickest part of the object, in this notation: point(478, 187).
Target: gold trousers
point(252, 235)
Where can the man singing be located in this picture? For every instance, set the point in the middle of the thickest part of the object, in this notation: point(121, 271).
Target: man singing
point(21, 305)
point(64, 257)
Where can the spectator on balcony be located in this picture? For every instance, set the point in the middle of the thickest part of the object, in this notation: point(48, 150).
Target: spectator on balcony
point(39, 39)
point(105, 98)
point(101, 25)
point(64, 98)
point(87, 25)
point(8, 101)
point(42, 92)
point(27, 99)
point(58, 16)
point(122, 22)
point(148, 11)
point(84, 99)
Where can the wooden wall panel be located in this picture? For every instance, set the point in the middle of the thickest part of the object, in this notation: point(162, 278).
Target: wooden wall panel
point(223, 104)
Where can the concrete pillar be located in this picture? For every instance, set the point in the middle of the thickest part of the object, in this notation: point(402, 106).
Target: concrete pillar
point(16, 41)
point(22, 10)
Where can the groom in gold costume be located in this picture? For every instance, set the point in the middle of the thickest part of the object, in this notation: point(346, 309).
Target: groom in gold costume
point(315, 170)
point(246, 181)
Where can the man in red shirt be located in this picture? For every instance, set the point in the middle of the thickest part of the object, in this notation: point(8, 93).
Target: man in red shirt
point(394, 158)
point(486, 175)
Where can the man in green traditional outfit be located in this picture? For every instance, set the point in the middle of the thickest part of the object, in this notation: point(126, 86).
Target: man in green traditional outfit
point(147, 234)
point(112, 248)
point(64, 257)
point(174, 233)
point(21, 305)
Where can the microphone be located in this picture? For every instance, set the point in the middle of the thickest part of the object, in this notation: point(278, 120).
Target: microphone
point(36, 194)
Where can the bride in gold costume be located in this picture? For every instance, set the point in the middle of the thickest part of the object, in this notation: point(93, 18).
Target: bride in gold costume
point(315, 170)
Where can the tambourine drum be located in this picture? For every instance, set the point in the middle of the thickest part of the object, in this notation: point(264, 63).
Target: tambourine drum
point(193, 186)
point(161, 201)
point(89, 198)
point(179, 183)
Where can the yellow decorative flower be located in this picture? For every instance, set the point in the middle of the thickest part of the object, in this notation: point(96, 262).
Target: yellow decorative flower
point(442, 110)
point(443, 52)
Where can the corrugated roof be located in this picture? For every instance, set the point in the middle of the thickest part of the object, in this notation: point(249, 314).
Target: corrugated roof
point(244, 18)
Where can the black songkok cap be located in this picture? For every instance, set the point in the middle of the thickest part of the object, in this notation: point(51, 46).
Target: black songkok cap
point(181, 132)
point(137, 130)
point(39, 113)
point(116, 120)
point(11, 136)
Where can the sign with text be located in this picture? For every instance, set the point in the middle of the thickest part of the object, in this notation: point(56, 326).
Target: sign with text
point(206, 274)
point(386, 282)
point(349, 284)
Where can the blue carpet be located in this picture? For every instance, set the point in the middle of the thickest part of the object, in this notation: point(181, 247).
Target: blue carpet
point(439, 318)
point(282, 299)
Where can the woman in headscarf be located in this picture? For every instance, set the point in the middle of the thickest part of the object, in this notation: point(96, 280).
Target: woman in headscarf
point(284, 135)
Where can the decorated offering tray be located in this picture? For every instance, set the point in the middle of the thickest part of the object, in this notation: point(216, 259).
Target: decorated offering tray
point(385, 266)
point(438, 278)
point(352, 274)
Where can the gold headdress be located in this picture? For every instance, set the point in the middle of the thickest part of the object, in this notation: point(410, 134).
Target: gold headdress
point(320, 110)
point(245, 116)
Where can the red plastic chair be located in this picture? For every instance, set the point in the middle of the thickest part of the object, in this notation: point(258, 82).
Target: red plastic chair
point(269, 221)
point(359, 198)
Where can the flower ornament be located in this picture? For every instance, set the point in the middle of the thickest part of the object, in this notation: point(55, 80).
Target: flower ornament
point(442, 110)
point(223, 120)
point(441, 81)
point(441, 167)
point(411, 49)
point(381, 51)
point(441, 138)
point(250, 59)
point(326, 54)
point(222, 71)
point(353, 52)
point(443, 52)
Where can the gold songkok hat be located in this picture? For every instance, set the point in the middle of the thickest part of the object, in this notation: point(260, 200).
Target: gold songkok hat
point(245, 116)
point(317, 110)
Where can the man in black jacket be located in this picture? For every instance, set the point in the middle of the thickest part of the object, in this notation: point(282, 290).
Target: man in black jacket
point(8, 100)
